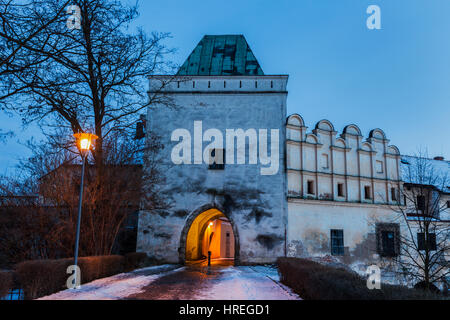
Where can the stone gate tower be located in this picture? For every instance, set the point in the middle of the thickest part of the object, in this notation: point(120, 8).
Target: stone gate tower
point(221, 88)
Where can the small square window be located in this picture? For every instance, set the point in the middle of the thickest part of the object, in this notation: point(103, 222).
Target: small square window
point(431, 242)
point(421, 203)
point(341, 190)
point(388, 235)
point(311, 187)
point(367, 193)
point(337, 242)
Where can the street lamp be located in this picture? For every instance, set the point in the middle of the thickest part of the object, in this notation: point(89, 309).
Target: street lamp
point(84, 143)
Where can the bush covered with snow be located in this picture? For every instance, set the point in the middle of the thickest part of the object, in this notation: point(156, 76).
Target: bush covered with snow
point(315, 281)
point(43, 277)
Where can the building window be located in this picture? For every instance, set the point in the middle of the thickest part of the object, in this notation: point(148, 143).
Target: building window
point(325, 161)
point(217, 159)
point(240, 84)
point(394, 194)
point(224, 84)
point(431, 242)
point(341, 190)
point(379, 165)
point(271, 84)
point(337, 242)
point(448, 204)
point(367, 193)
point(421, 203)
point(209, 84)
point(388, 239)
point(311, 187)
point(256, 84)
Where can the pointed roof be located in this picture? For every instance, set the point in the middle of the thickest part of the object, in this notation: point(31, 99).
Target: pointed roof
point(222, 55)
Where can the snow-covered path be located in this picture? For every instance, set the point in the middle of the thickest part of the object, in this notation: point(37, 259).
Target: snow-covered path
point(116, 287)
point(187, 283)
point(221, 283)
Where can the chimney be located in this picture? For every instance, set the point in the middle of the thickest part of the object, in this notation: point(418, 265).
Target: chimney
point(439, 158)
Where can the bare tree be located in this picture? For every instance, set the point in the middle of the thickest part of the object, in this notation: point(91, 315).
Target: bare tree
point(92, 78)
point(423, 212)
point(17, 29)
point(44, 215)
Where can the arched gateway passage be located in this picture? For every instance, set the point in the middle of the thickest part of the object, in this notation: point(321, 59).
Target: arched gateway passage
point(209, 230)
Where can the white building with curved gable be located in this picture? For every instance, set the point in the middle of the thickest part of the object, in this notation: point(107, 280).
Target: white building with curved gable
point(340, 186)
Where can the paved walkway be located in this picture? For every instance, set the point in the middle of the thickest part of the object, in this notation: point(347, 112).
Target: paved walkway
point(192, 282)
point(218, 283)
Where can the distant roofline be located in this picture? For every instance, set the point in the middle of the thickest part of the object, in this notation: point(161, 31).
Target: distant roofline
point(424, 158)
point(221, 76)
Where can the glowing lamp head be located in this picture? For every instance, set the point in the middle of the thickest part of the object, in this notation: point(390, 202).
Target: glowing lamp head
point(84, 141)
point(211, 224)
point(85, 144)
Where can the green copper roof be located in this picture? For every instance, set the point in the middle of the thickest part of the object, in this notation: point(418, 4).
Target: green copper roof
point(225, 55)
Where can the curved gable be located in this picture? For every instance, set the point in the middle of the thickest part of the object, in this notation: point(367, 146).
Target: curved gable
point(325, 125)
point(296, 120)
point(352, 129)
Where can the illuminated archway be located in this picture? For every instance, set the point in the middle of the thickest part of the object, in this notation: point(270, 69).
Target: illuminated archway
point(209, 229)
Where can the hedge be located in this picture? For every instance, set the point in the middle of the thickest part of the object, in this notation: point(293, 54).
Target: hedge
point(314, 281)
point(135, 260)
point(6, 282)
point(41, 278)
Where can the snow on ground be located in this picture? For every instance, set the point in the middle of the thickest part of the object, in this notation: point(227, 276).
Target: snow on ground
point(247, 283)
point(117, 287)
point(223, 283)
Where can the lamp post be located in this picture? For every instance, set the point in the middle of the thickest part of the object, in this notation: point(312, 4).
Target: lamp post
point(84, 143)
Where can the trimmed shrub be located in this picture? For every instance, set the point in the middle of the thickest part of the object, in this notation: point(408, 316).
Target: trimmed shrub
point(41, 278)
point(314, 281)
point(6, 282)
point(135, 260)
point(93, 268)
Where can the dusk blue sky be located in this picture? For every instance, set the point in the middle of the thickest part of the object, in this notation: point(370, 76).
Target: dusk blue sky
point(397, 78)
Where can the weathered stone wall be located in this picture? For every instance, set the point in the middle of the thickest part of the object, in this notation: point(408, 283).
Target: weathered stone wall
point(255, 204)
point(310, 223)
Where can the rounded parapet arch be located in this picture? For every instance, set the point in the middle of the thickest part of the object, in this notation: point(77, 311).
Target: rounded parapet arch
point(295, 120)
point(312, 138)
point(325, 125)
point(352, 129)
point(377, 134)
point(367, 146)
point(340, 143)
point(394, 150)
